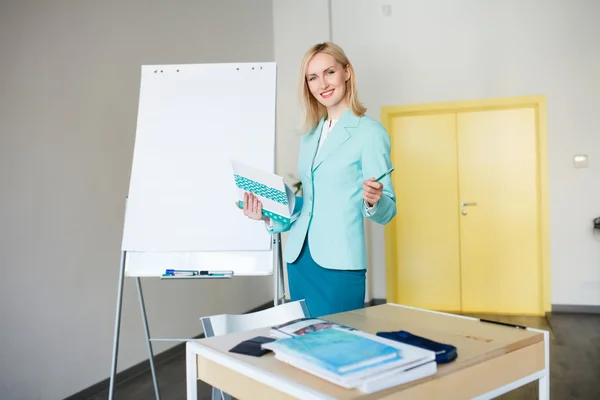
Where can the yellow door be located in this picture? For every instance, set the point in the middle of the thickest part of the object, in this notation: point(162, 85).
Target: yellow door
point(490, 255)
point(427, 242)
point(497, 158)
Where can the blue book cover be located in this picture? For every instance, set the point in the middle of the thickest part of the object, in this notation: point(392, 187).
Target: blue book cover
point(338, 351)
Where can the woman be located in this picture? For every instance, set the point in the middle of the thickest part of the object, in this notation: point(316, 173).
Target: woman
point(339, 157)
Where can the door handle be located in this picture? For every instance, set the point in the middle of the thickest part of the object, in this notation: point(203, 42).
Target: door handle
point(466, 204)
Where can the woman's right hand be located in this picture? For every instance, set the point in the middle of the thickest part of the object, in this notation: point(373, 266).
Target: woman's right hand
point(253, 207)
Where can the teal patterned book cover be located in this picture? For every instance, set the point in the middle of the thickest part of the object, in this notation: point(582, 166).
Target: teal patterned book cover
point(276, 197)
point(338, 351)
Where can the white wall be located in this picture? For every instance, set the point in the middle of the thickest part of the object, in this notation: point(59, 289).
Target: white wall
point(69, 82)
point(439, 50)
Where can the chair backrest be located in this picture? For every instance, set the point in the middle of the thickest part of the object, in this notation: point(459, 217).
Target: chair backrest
point(229, 323)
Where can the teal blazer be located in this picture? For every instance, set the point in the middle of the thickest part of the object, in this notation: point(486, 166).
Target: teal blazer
point(331, 211)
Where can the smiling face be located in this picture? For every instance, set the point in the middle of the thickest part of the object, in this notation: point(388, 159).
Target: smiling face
point(326, 79)
point(327, 85)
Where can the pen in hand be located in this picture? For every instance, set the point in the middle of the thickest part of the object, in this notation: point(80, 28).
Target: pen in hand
point(385, 174)
point(373, 189)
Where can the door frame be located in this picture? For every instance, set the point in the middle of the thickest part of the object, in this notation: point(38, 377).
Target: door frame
point(538, 103)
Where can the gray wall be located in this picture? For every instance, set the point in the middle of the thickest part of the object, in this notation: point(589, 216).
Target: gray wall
point(69, 83)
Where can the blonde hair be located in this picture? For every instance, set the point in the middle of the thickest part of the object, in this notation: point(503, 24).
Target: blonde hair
point(313, 110)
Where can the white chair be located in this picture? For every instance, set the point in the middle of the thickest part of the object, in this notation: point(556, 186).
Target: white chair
point(222, 324)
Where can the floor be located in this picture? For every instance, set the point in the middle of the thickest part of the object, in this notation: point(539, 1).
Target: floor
point(574, 364)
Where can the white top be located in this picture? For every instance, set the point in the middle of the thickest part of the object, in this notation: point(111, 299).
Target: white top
point(327, 127)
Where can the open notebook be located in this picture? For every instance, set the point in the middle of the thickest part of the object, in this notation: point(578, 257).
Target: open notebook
point(277, 198)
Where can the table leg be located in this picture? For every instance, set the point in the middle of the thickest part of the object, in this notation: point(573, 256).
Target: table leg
point(191, 373)
point(544, 388)
point(544, 382)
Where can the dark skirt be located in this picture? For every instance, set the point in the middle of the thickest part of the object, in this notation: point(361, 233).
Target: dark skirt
point(326, 291)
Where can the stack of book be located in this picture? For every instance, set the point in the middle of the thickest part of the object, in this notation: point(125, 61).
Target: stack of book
point(349, 358)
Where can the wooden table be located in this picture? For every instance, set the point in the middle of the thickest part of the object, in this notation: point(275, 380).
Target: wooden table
point(492, 360)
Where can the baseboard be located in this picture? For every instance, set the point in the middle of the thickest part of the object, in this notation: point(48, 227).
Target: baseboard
point(143, 367)
point(556, 308)
point(575, 309)
point(375, 302)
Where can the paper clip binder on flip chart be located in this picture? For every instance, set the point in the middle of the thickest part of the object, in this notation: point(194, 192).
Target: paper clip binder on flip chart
point(193, 274)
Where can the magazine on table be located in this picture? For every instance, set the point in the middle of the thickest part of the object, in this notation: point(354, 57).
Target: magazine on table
point(303, 326)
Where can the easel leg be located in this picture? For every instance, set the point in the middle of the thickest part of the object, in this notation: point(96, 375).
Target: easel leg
point(113, 371)
point(280, 262)
point(217, 394)
point(150, 353)
point(280, 254)
point(278, 276)
point(275, 272)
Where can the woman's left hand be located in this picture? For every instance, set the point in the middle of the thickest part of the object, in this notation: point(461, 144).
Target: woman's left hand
point(372, 191)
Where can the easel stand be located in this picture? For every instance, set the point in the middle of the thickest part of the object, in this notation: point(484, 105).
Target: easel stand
point(278, 278)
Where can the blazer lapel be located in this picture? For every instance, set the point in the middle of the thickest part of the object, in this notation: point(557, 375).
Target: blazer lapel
point(337, 137)
point(312, 143)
